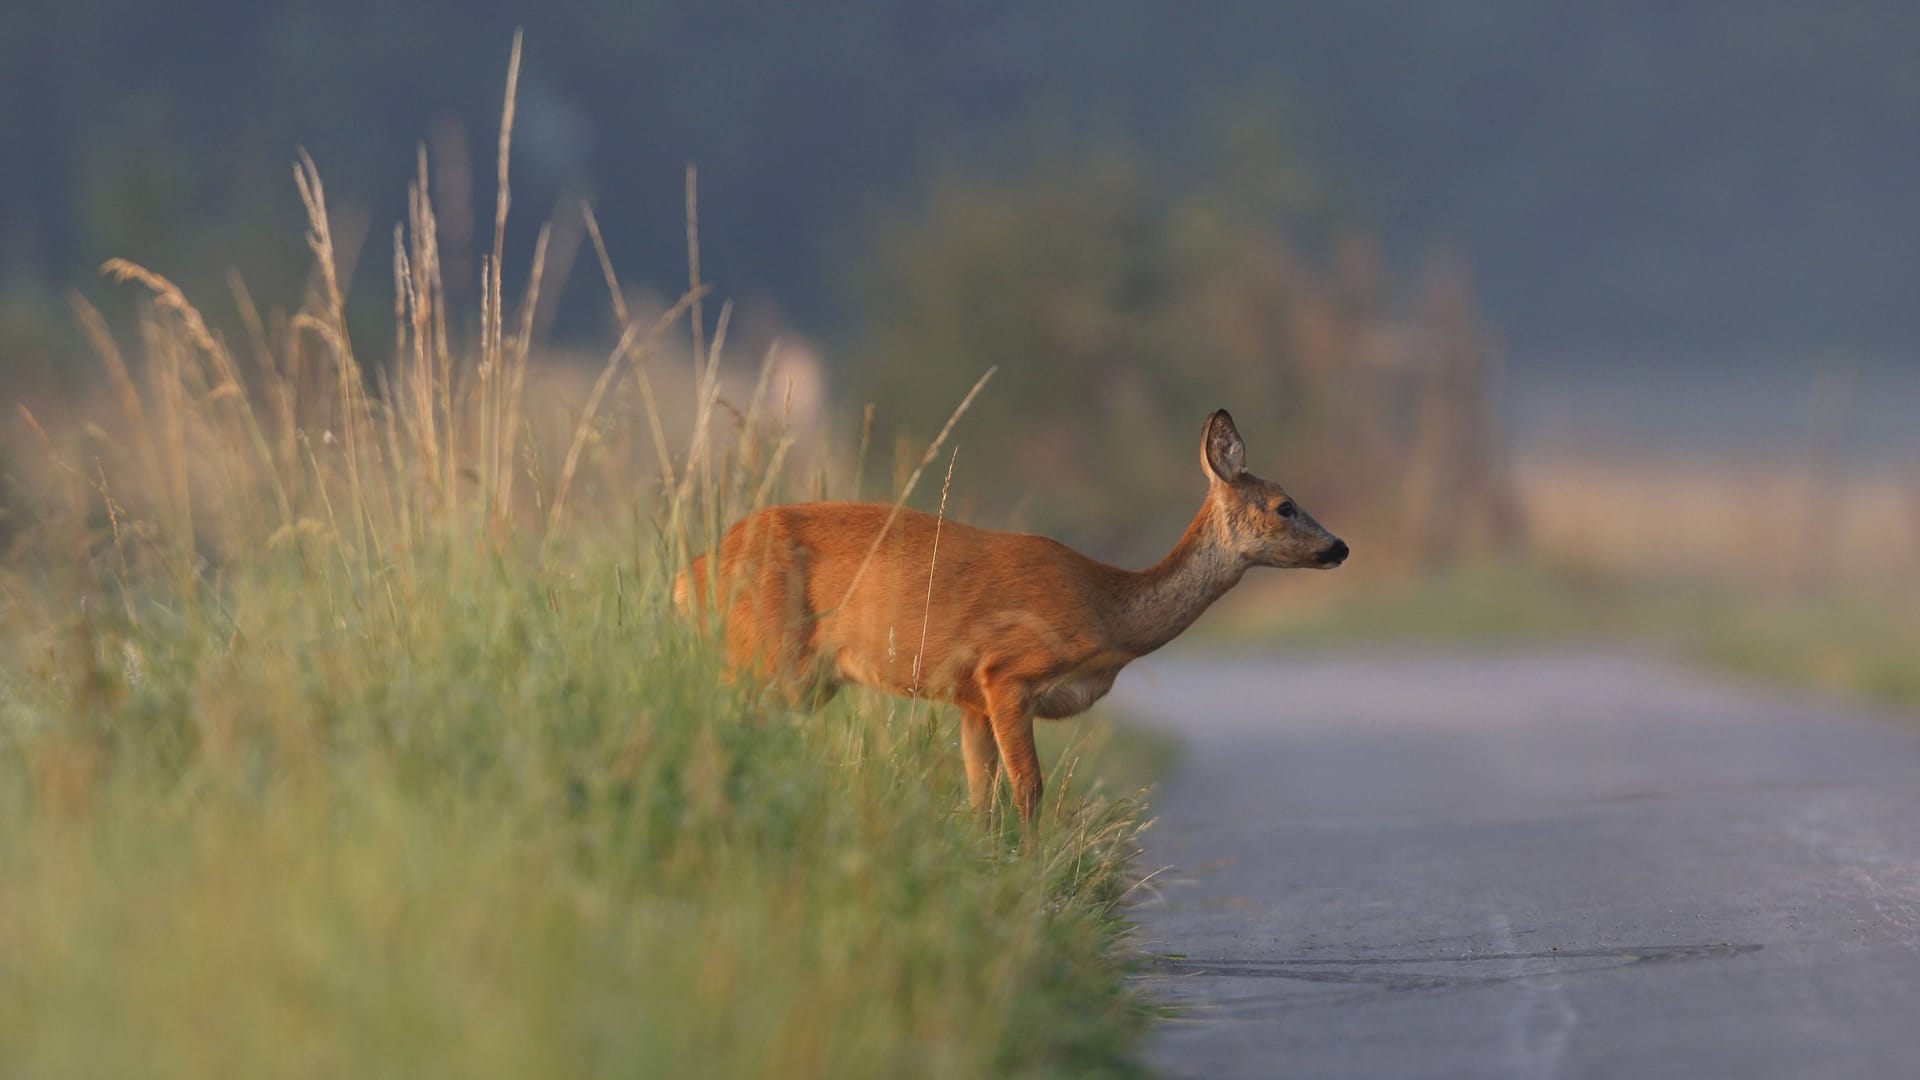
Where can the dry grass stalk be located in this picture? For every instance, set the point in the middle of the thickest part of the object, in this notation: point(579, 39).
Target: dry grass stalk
point(617, 297)
point(933, 562)
point(906, 489)
point(633, 345)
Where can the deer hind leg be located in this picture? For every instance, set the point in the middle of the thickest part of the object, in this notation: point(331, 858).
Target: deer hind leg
point(1011, 716)
point(983, 760)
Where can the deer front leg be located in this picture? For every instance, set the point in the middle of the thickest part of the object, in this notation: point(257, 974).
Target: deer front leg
point(1012, 720)
point(983, 760)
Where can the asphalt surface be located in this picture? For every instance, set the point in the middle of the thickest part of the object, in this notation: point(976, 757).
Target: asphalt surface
point(1541, 865)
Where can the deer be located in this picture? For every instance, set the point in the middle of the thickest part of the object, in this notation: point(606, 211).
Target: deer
point(1005, 626)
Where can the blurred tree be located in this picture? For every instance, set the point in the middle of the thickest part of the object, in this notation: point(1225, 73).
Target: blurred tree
point(1122, 306)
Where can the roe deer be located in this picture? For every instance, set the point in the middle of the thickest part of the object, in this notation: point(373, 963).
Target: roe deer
point(1005, 626)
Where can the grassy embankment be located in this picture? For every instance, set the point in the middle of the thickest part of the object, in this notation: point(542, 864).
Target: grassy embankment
point(349, 732)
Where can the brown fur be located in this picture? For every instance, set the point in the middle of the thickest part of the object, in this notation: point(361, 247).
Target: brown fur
point(1017, 626)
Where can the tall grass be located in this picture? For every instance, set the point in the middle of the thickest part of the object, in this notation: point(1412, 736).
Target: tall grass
point(345, 729)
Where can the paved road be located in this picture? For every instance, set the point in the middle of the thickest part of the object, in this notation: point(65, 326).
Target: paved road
point(1540, 865)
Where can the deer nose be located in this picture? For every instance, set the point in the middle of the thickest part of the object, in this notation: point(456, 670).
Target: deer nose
point(1333, 554)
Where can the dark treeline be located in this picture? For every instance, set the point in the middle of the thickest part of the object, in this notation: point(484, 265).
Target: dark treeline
point(1714, 176)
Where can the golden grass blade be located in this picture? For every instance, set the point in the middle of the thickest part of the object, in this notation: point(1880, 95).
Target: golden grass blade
point(906, 490)
point(94, 326)
point(618, 298)
point(933, 562)
point(606, 264)
point(517, 369)
point(632, 345)
point(693, 263)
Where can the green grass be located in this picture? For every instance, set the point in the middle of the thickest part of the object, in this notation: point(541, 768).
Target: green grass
point(1475, 603)
point(508, 826)
point(1861, 646)
point(1846, 642)
point(331, 746)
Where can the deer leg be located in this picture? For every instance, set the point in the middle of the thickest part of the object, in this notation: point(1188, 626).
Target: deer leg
point(1012, 721)
point(983, 760)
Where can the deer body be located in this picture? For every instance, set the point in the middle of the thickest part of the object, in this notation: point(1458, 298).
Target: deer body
point(1005, 626)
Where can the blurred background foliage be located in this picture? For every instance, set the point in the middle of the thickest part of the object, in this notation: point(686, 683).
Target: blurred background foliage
point(1121, 306)
point(1408, 243)
point(1719, 175)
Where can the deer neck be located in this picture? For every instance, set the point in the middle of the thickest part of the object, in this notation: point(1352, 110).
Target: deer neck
point(1163, 600)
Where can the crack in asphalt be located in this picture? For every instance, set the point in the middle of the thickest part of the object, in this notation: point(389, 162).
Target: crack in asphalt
point(1310, 969)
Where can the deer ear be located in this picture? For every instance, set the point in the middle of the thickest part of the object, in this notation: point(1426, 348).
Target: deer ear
point(1222, 453)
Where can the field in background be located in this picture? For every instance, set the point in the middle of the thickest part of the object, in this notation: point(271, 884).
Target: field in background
point(1773, 571)
point(345, 729)
point(1766, 525)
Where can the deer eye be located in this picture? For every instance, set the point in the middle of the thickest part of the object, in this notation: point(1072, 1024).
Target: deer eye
point(1286, 509)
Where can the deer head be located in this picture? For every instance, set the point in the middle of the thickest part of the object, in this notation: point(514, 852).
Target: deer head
point(1256, 517)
